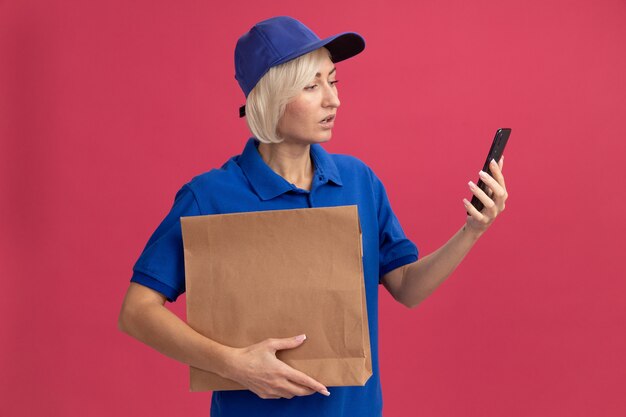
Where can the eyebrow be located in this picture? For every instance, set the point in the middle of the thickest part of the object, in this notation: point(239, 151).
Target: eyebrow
point(331, 71)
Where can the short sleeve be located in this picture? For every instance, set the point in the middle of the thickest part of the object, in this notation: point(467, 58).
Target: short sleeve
point(395, 249)
point(161, 264)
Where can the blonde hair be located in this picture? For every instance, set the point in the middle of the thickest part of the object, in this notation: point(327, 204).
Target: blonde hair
point(266, 102)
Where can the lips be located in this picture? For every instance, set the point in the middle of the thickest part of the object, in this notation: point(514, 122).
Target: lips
point(328, 119)
point(328, 122)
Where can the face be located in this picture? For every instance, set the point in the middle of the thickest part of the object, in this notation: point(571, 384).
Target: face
point(309, 117)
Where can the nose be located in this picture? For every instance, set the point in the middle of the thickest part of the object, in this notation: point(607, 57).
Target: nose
point(331, 98)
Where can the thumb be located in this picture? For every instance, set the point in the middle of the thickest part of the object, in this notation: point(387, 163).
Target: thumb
point(287, 343)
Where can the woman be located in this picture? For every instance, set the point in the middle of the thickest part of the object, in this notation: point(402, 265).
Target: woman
point(289, 78)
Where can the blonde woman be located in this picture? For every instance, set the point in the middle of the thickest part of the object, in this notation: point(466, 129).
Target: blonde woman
point(289, 78)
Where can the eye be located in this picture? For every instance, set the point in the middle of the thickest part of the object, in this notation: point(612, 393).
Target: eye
point(310, 87)
point(332, 83)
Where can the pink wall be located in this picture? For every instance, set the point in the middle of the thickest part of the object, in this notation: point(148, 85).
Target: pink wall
point(107, 108)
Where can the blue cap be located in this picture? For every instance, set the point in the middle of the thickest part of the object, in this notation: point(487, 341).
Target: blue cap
point(281, 39)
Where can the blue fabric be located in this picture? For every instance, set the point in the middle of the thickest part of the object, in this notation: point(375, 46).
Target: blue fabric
point(246, 183)
point(280, 39)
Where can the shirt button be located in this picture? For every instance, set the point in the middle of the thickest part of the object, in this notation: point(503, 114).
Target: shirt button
point(321, 178)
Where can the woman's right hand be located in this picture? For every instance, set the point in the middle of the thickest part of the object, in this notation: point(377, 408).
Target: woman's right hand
point(257, 368)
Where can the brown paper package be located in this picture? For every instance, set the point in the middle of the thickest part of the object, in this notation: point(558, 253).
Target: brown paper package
point(277, 274)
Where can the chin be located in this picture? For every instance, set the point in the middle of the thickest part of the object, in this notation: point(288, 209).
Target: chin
point(324, 138)
point(310, 140)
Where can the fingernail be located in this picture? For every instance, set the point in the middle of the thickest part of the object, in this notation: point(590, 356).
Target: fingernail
point(325, 392)
point(482, 174)
point(493, 161)
point(471, 184)
point(301, 337)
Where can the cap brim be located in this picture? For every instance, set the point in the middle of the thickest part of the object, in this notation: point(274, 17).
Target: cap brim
point(345, 45)
point(341, 46)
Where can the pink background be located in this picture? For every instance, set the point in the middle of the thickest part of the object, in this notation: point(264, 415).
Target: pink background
point(107, 108)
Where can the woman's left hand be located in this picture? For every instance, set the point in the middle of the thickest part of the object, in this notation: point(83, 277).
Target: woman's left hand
point(479, 222)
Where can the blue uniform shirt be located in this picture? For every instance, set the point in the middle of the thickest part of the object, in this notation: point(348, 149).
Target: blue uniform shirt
point(246, 183)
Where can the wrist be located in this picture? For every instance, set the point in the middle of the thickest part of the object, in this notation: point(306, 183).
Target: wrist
point(228, 363)
point(471, 232)
point(216, 358)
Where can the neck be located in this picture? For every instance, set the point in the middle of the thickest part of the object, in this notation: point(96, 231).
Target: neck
point(289, 160)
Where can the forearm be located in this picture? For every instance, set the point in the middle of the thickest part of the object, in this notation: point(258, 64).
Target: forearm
point(255, 367)
point(415, 282)
point(158, 327)
point(421, 278)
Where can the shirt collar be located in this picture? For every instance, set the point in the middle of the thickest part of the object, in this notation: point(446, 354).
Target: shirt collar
point(268, 184)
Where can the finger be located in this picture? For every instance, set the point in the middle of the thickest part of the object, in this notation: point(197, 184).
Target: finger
point(482, 196)
point(501, 162)
point(299, 390)
point(303, 379)
point(266, 396)
point(471, 210)
point(498, 192)
point(271, 397)
point(288, 390)
point(496, 172)
point(288, 343)
point(284, 393)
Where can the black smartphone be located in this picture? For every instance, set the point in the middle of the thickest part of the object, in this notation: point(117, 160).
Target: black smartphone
point(495, 152)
